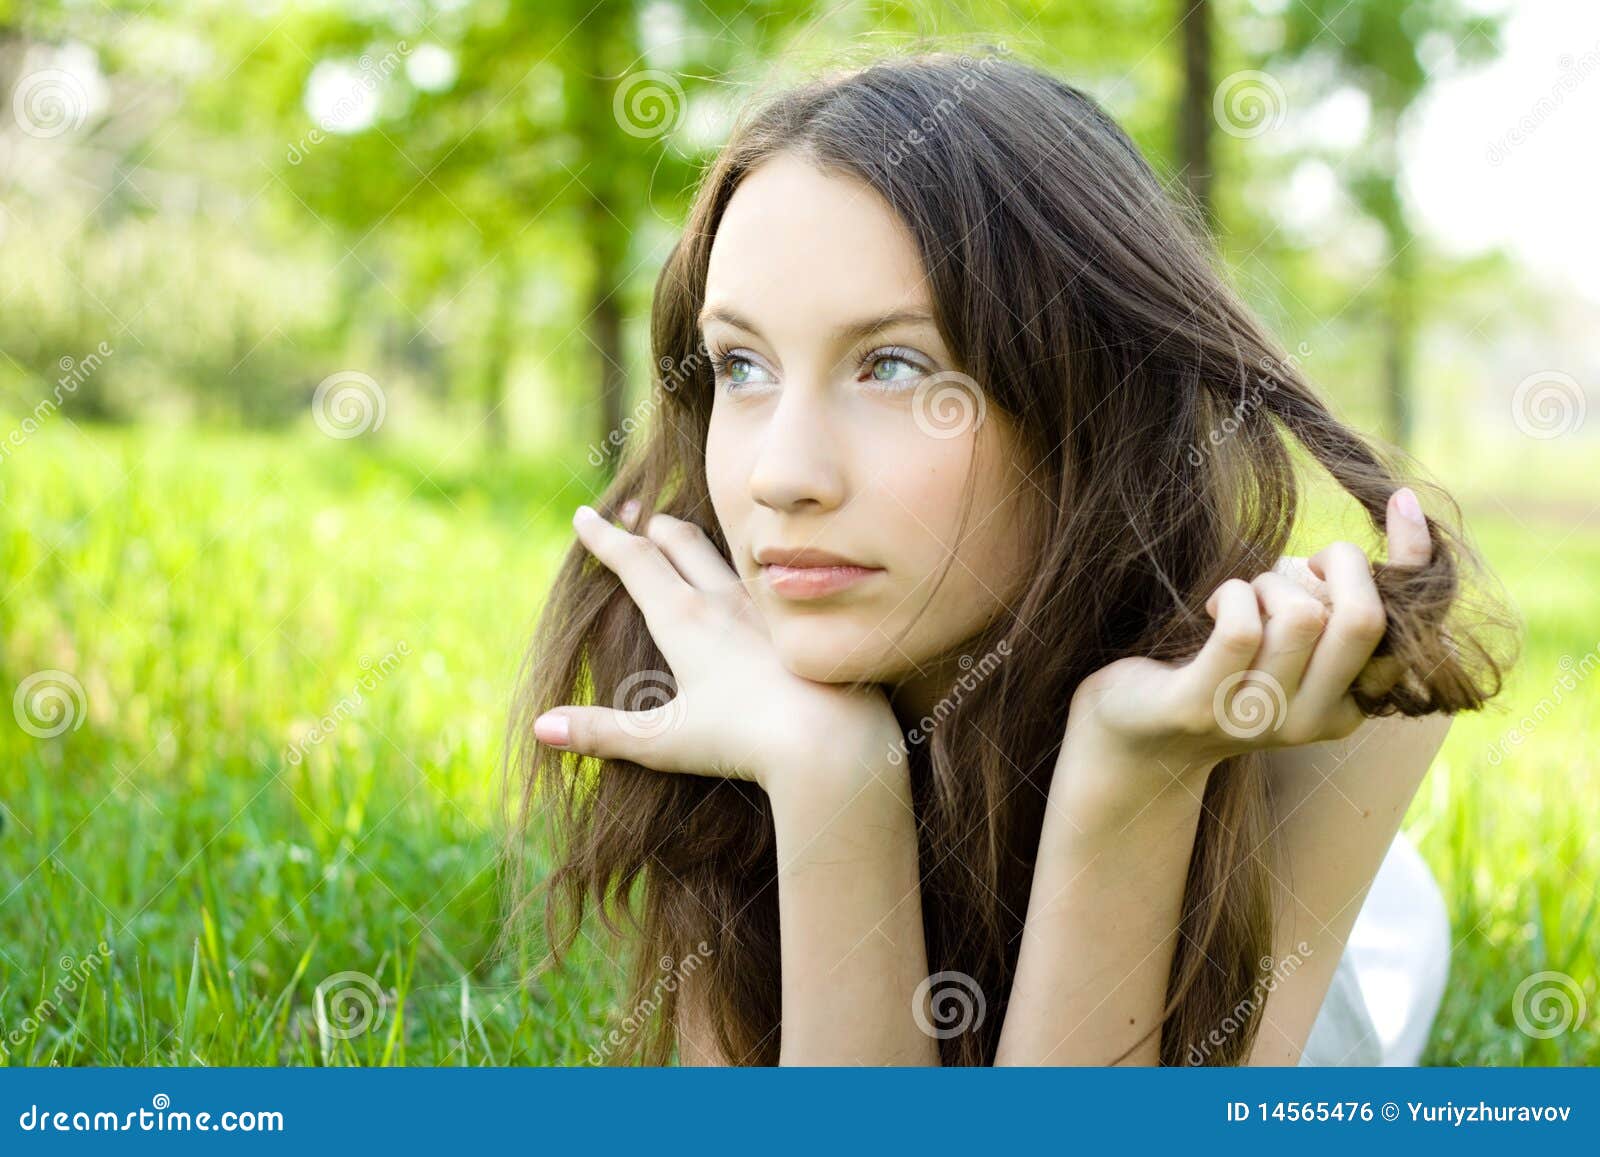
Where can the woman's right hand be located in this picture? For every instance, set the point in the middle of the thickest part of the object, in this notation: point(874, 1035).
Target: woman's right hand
point(728, 707)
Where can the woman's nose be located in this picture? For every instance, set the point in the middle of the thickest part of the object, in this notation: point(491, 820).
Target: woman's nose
point(799, 461)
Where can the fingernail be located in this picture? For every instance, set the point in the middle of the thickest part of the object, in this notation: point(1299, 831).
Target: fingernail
point(1408, 506)
point(584, 513)
point(552, 728)
point(630, 511)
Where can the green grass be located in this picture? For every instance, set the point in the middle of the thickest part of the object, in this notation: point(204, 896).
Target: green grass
point(215, 597)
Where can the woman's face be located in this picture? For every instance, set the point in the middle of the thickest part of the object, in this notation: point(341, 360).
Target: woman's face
point(842, 437)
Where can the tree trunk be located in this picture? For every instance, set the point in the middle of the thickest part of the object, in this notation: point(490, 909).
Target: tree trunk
point(605, 320)
point(1400, 337)
point(497, 354)
point(1194, 108)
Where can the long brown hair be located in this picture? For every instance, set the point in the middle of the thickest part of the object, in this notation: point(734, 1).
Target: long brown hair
point(1154, 413)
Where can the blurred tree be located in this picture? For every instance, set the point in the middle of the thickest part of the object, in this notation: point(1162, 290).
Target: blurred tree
point(1391, 53)
point(556, 144)
point(1195, 120)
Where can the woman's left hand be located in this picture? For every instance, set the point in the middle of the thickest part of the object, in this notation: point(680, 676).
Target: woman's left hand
point(1312, 627)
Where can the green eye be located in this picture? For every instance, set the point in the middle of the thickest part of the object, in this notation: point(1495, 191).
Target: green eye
point(735, 370)
point(890, 368)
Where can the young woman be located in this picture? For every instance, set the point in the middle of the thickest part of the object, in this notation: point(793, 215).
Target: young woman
point(944, 694)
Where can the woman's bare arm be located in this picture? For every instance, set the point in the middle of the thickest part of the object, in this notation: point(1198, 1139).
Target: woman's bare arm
point(850, 919)
point(1337, 807)
point(1102, 921)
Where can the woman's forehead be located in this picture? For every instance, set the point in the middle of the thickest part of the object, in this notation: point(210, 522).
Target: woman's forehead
point(794, 239)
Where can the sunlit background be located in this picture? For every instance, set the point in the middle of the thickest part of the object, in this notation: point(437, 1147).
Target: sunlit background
point(317, 320)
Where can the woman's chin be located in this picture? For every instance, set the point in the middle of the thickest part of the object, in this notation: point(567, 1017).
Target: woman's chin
point(825, 653)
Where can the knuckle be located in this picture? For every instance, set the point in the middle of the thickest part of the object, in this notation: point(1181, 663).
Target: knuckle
point(1304, 619)
point(1362, 623)
point(683, 531)
point(581, 732)
point(687, 603)
point(638, 546)
point(1239, 636)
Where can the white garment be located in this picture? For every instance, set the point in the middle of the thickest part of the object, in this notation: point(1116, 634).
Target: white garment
point(1390, 980)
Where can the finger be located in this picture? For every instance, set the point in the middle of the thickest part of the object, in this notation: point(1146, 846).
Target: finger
point(648, 738)
point(1299, 570)
point(690, 551)
point(653, 583)
point(1356, 624)
point(1294, 623)
point(1234, 638)
point(1410, 544)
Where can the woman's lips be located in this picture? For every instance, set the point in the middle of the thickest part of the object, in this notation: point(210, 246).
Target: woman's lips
point(814, 582)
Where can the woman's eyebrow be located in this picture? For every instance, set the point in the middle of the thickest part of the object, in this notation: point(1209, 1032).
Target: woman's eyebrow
point(849, 331)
